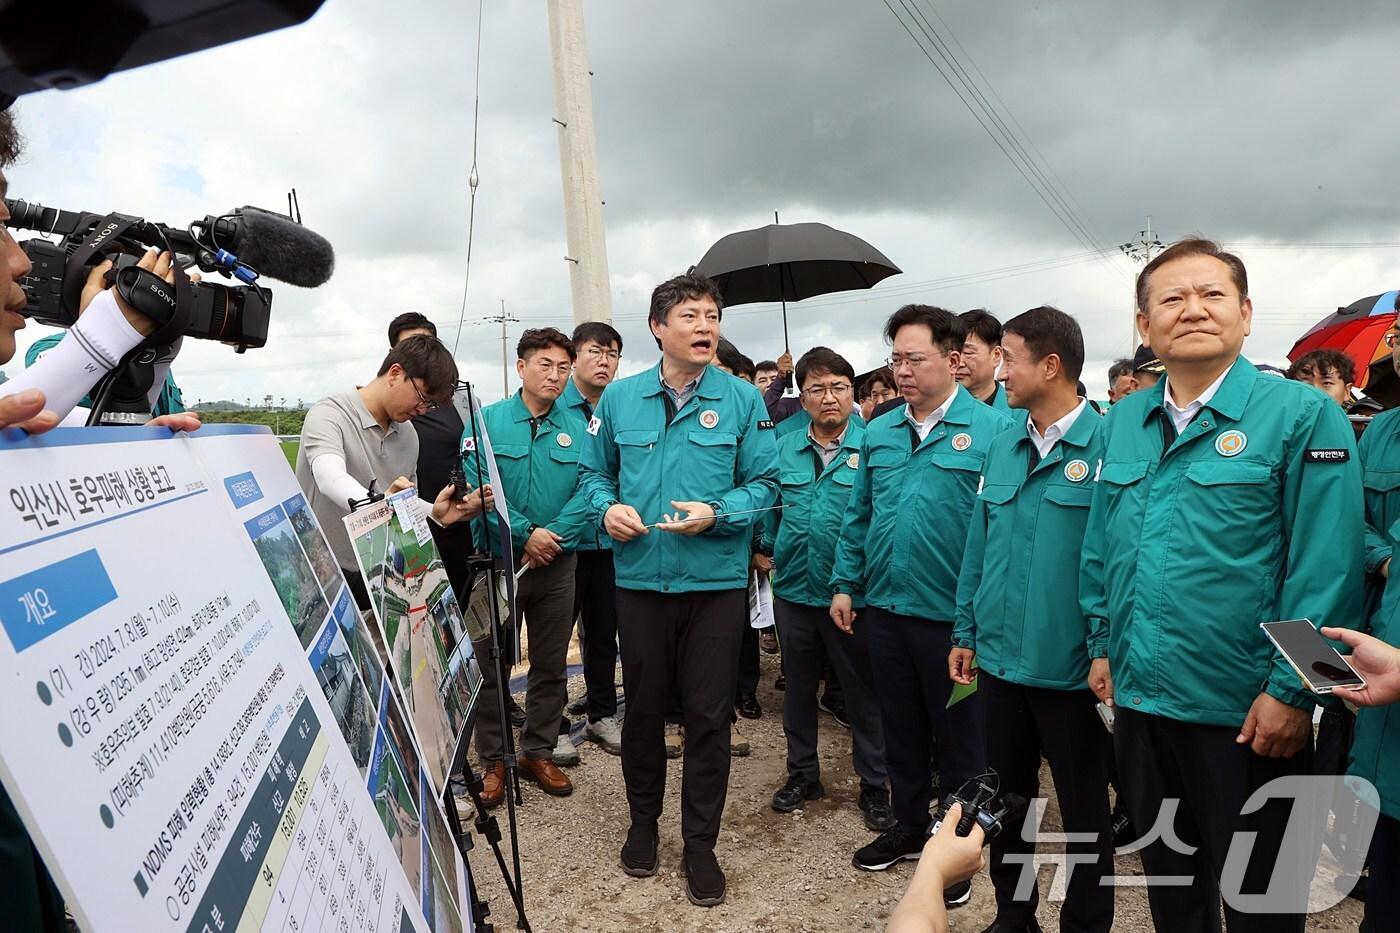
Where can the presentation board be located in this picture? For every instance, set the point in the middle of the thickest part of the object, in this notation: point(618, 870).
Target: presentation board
point(200, 735)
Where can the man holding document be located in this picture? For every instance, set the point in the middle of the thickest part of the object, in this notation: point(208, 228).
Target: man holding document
point(1224, 499)
point(678, 465)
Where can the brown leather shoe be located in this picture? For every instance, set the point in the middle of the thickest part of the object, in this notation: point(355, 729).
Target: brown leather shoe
point(547, 775)
point(493, 785)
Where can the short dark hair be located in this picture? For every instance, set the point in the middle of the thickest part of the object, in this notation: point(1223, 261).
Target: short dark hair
point(982, 325)
point(734, 361)
point(1049, 330)
point(409, 320)
point(424, 357)
point(823, 360)
point(947, 330)
point(11, 142)
point(884, 375)
point(675, 290)
point(538, 338)
point(1192, 246)
point(1118, 370)
point(600, 332)
point(765, 365)
point(1320, 362)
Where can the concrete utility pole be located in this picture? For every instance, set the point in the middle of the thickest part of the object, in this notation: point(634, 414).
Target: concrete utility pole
point(578, 164)
point(503, 319)
point(1140, 251)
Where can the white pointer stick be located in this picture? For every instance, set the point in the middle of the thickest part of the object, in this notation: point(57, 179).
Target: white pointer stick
point(681, 521)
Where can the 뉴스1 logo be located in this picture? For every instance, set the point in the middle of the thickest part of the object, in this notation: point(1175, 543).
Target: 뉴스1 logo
point(1231, 443)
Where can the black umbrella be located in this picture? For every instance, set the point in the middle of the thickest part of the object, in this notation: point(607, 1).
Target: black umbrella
point(789, 262)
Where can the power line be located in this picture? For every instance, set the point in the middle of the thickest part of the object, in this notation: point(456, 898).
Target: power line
point(473, 179)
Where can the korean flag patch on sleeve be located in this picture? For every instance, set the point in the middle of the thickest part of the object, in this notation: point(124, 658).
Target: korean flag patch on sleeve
point(593, 425)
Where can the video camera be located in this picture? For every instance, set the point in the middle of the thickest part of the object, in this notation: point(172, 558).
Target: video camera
point(243, 243)
point(982, 807)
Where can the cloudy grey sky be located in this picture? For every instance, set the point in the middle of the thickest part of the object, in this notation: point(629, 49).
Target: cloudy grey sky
point(1270, 125)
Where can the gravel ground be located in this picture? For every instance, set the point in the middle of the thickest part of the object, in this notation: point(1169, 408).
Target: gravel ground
point(786, 872)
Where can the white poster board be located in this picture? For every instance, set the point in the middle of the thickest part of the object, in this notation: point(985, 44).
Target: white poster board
point(179, 763)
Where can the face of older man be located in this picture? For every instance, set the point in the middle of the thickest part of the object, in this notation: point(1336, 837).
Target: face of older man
point(1195, 313)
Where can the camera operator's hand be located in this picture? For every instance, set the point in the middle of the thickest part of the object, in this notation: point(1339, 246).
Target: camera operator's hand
point(542, 547)
point(448, 511)
point(26, 410)
point(159, 263)
point(841, 612)
point(1377, 662)
point(184, 421)
point(1101, 680)
point(947, 859)
point(399, 485)
point(960, 667)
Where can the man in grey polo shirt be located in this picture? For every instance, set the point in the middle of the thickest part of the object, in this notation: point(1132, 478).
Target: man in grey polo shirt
point(361, 438)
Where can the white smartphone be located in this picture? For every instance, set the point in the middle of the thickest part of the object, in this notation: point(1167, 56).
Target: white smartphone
point(1319, 665)
point(1106, 714)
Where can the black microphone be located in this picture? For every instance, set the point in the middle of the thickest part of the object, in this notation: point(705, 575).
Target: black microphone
point(272, 244)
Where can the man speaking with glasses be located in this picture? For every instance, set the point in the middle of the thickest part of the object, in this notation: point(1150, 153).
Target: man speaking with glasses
point(817, 469)
point(361, 439)
point(901, 548)
point(536, 443)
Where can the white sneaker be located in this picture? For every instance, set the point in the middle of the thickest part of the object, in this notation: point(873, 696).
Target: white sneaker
point(565, 754)
point(607, 733)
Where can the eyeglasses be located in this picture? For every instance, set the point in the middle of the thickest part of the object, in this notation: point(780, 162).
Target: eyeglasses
point(837, 390)
point(546, 367)
point(598, 353)
point(913, 362)
point(1391, 338)
point(423, 400)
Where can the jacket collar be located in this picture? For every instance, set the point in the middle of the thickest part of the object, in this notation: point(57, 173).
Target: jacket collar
point(572, 397)
point(711, 382)
point(520, 414)
point(1229, 400)
point(960, 410)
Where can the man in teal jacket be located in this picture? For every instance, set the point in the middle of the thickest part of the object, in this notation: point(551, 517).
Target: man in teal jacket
point(817, 469)
point(536, 442)
point(981, 358)
point(1018, 615)
point(678, 465)
point(901, 547)
point(1225, 499)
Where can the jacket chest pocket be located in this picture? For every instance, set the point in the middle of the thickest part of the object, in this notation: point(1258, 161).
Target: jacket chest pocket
point(512, 460)
point(1074, 497)
point(885, 465)
point(964, 470)
point(710, 461)
point(635, 452)
point(1218, 495)
point(1383, 484)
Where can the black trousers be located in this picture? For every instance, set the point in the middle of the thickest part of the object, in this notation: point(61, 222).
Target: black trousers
point(1209, 777)
point(805, 631)
point(689, 642)
point(1383, 894)
point(910, 659)
point(1063, 726)
point(748, 659)
point(595, 604)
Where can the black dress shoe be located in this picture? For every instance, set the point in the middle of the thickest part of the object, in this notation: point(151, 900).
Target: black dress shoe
point(894, 845)
point(836, 707)
point(517, 715)
point(997, 927)
point(875, 808)
point(704, 880)
point(748, 706)
point(641, 852)
point(795, 792)
point(577, 707)
point(780, 682)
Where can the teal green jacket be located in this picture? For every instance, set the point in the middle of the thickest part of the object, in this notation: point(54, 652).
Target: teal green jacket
point(1018, 592)
point(539, 473)
point(902, 539)
point(593, 537)
point(802, 537)
point(718, 448)
point(1001, 404)
point(1375, 752)
point(170, 401)
point(1253, 514)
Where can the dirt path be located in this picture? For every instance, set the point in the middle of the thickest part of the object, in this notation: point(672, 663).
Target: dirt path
point(786, 872)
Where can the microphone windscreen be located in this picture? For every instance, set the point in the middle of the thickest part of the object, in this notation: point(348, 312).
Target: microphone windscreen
point(282, 249)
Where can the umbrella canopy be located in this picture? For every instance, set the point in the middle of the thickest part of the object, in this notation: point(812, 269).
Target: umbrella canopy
point(1355, 330)
point(789, 262)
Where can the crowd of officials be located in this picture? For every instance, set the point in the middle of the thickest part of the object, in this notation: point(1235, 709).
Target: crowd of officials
point(993, 570)
point(1032, 577)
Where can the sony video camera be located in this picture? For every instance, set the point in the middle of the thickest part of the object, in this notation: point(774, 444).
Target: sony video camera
point(244, 243)
point(982, 806)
